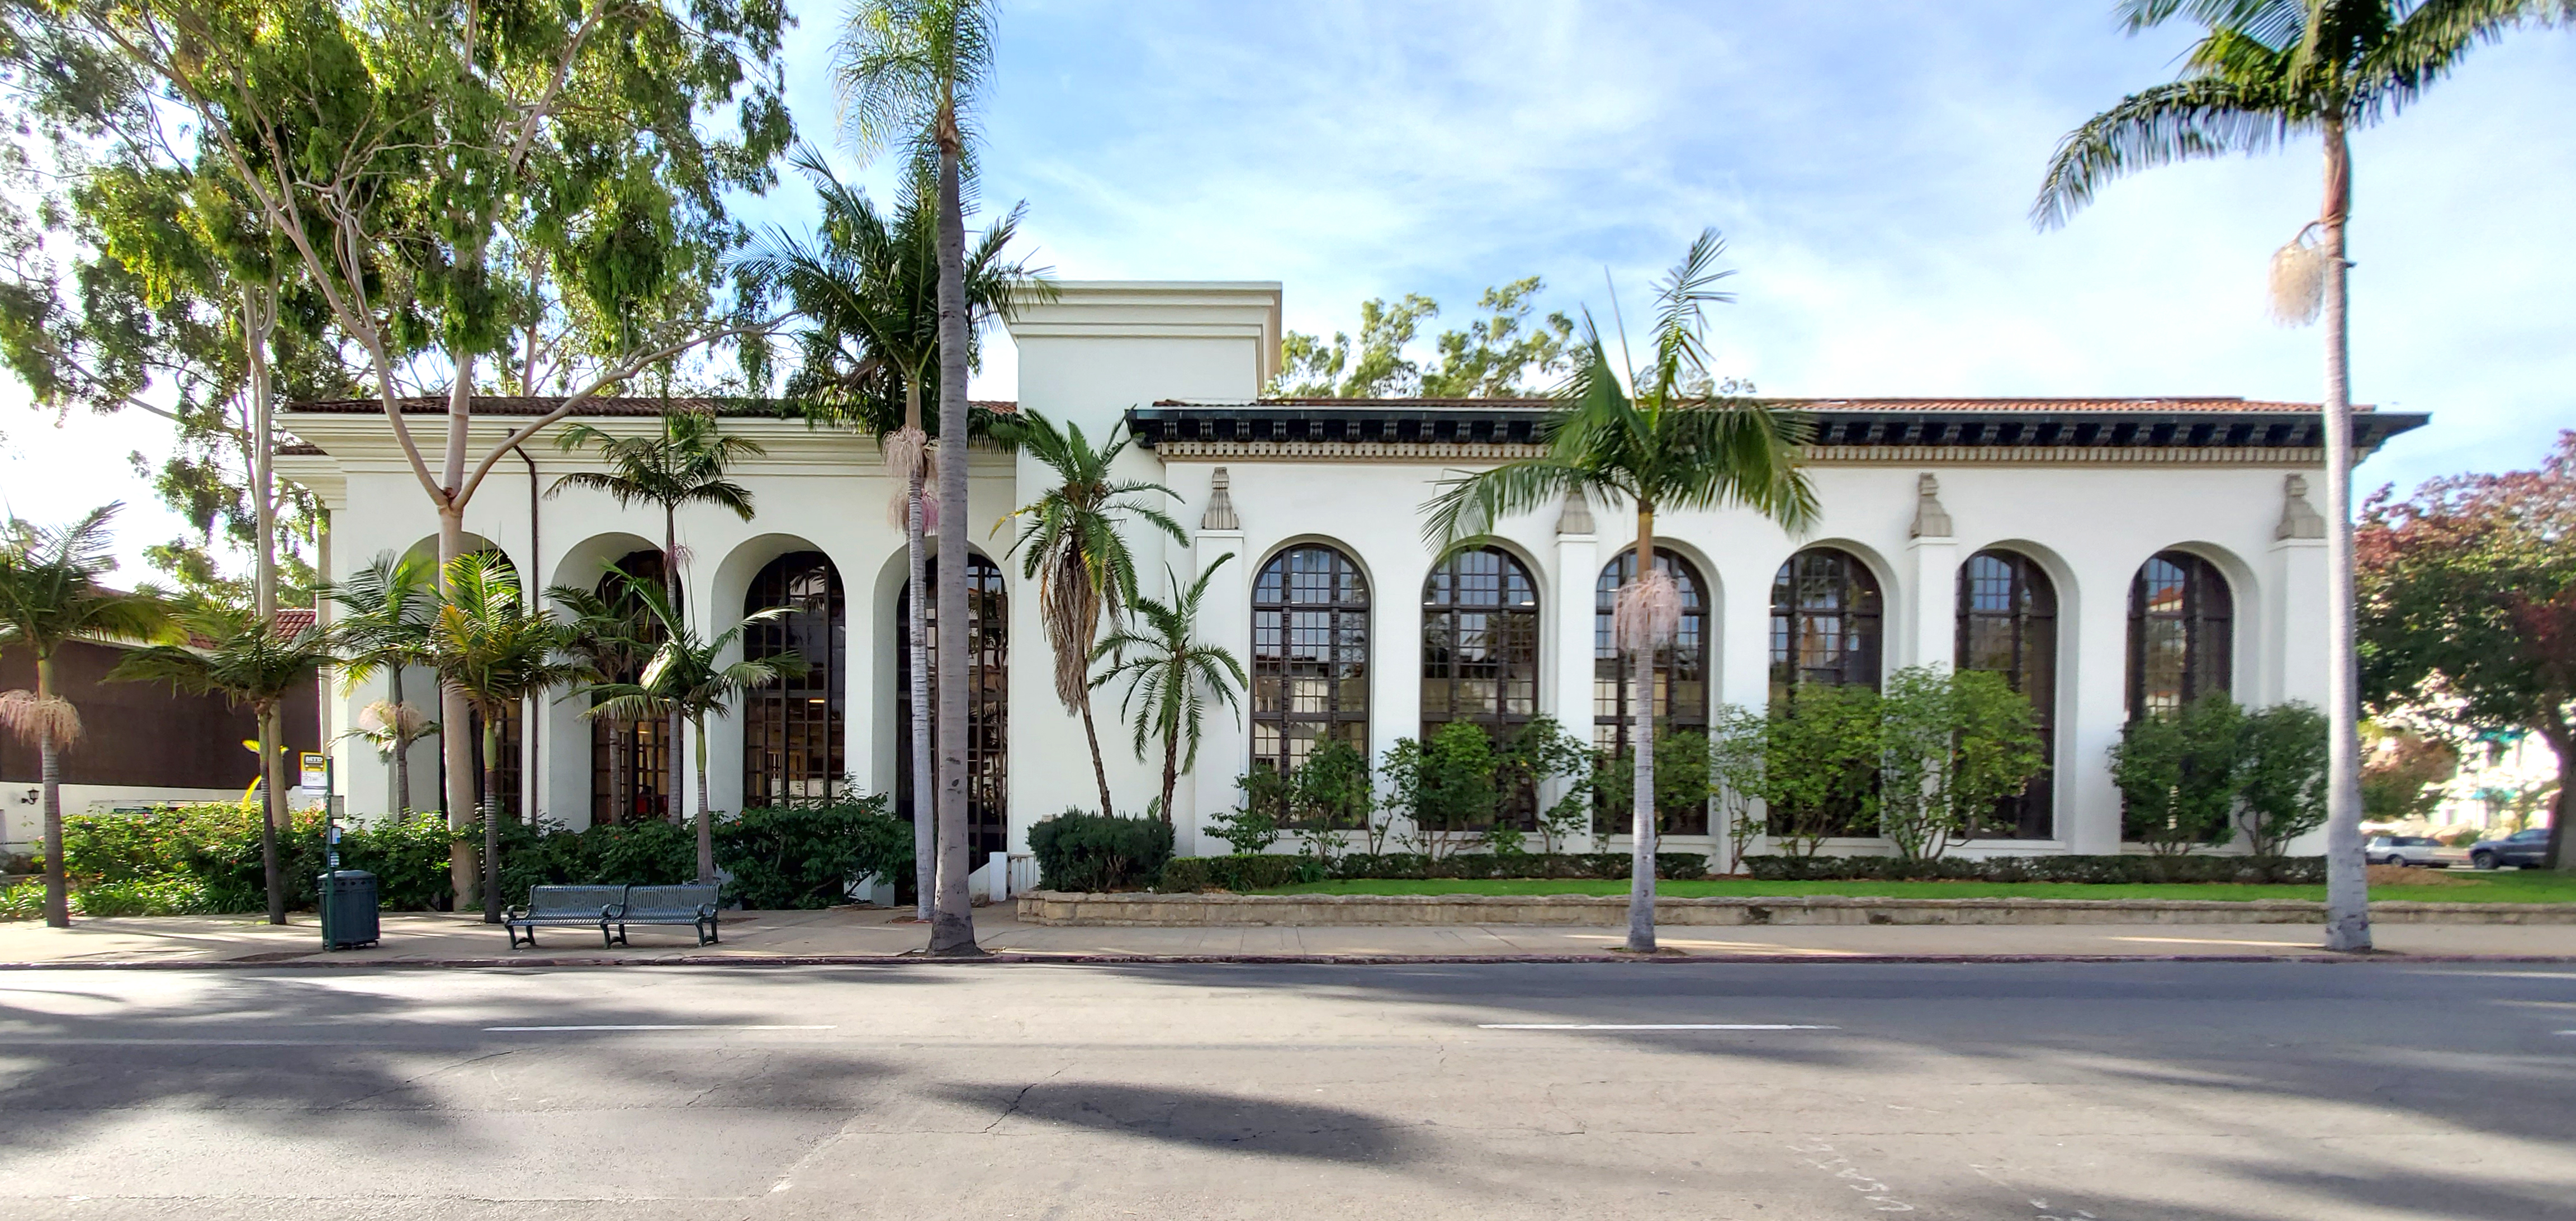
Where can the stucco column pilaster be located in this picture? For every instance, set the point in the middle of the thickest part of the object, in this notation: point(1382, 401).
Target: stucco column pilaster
point(1930, 610)
point(2093, 708)
point(2293, 657)
point(1567, 622)
point(1225, 621)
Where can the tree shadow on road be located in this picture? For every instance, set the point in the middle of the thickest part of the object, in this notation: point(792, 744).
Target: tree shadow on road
point(1206, 1119)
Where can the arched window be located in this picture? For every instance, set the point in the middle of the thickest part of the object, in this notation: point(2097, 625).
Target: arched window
point(630, 764)
point(1680, 680)
point(792, 740)
point(1310, 647)
point(1825, 627)
point(2008, 626)
point(2181, 644)
point(1479, 642)
point(988, 627)
point(1480, 652)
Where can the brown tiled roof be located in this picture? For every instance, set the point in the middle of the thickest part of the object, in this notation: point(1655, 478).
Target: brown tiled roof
point(298, 449)
point(293, 619)
point(2145, 403)
point(511, 405)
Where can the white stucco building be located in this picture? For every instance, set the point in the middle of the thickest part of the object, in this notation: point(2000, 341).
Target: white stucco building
point(2106, 552)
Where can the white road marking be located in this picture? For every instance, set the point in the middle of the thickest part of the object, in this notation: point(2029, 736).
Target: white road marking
point(688, 1026)
point(1648, 1026)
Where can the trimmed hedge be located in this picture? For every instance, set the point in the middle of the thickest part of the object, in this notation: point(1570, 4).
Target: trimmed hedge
point(204, 858)
point(2305, 870)
point(1093, 852)
point(1196, 873)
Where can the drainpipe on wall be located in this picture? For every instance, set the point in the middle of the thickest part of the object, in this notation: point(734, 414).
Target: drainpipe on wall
point(531, 777)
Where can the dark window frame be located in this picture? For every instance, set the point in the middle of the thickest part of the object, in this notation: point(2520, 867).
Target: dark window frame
point(1329, 635)
point(1832, 595)
point(2197, 618)
point(795, 731)
point(2007, 598)
point(643, 748)
point(988, 670)
point(1480, 625)
point(1681, 669)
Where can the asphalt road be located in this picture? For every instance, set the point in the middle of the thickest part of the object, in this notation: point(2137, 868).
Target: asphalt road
point(2110, 1092)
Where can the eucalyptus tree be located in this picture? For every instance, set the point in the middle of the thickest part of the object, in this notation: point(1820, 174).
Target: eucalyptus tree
point(422, 161)
point(386, 607)
point(1071, 546)
point(2263, 73)
point(688, 678)
point(1662, 437)
point(487, 643)
point(1171, 675)
point(865, 287)
point(244, 657)
point(909, 72)
point(684, 464)
point(52, 593)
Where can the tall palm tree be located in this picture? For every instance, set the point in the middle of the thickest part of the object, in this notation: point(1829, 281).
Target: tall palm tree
point(234, 653)
point(868, 291)
point(1664, 437)
point(50, 593)
point(1073, 550)
point(386, 609)
point(2264, 72)
point(688, 679)
point(681, 465)
point(1170, 675)
point(607, 639)
point(489, 646)
point(908, 72)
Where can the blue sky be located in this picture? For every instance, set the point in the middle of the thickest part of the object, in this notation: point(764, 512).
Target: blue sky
point(1870, 162)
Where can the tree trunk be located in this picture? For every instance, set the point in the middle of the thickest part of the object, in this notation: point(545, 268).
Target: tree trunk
point(952, 922)
point(678, 727)
point(1641, 864)
point(49, 781)
point(925, 817)
point(2347, 886)
point(456, 750)
point(259, 317)
point(1099, 771)
point(491, 815)
point(273, 813)
point(2563, 744)
point(1172, 767)
point(706, 820)
point(402, 748)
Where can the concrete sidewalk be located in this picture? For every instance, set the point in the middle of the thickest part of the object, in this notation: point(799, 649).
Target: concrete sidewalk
point(855, 934)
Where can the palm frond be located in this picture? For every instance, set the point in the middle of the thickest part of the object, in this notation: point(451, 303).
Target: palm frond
point(2183, 121)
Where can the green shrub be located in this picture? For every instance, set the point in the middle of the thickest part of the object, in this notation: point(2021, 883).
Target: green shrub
point(2281, 775)
point(1681, 787)
point(806, 857)
point(1613, 865)
point(2304, 870)
point(1820, 765)
point(172, 895)
point(1187, 874)
point(24, 901)
point(1092, 852)
point(2178, 775)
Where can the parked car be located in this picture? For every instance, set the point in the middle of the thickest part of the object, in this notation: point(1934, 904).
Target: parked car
point(2412, 850)
point(2529, 849)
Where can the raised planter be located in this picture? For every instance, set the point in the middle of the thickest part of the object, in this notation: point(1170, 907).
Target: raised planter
point(1050, 907)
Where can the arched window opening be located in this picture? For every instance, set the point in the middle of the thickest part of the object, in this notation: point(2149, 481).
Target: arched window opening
point(1825, 622)
point(1480, 653)
point(512, 771)
point(988, 624)
point(2181, 639)
point(793, 744)
point(1310, 655)
point(2008, 626)
point(630, 764)
point(1680, 683)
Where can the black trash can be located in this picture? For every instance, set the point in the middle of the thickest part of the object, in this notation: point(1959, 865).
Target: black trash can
point(348, 909)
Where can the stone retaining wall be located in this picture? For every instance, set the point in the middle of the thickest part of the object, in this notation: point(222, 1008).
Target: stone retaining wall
point(1049, 907)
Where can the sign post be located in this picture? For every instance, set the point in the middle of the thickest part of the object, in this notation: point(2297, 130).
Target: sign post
point(317, 776)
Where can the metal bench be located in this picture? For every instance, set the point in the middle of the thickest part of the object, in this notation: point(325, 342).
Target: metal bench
point(566, 907)
point(692, 905)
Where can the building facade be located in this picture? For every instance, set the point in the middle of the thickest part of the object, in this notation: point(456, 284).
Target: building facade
point(2107, 555)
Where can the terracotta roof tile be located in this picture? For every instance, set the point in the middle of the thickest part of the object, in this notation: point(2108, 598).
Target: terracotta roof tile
point(1988, 405)
point(511, 405)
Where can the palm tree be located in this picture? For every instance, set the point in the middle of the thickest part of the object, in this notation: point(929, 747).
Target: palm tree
point(1167, 668)
point(491, 648)
point(869, 293)
point(688, 679)
point(234, 653)
point(2265, 71)
point(1077, 557)
point(684, 464)
point(908, 71)
point(49, 594)
point(606, 638)
point(1667, 437)
point(387, 605)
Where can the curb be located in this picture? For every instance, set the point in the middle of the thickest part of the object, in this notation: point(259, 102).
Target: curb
point(1008, 958)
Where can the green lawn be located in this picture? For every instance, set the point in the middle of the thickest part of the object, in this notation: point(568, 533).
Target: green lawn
point(2498, 887)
